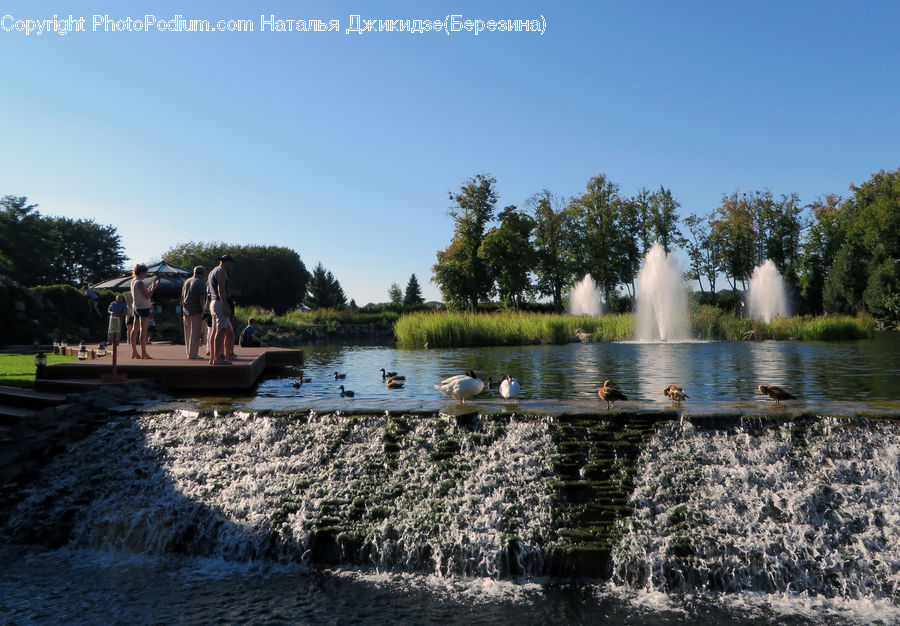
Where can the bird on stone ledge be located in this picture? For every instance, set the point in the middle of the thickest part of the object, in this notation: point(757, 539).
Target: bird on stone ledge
point(776, 393)
point(610, 394)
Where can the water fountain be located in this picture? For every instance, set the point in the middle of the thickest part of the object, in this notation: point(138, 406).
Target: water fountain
point(662, 309)
point(767, 297)
point(585, 298)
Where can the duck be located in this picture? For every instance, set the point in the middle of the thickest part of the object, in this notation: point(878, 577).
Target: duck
point(339, 376)
point(385, 375)
point(610, 394)
point(393, 383)
point(461, 387)
point(305, 379)
point(297, 383)
point(675, 392)
point(509, 388)
point(345, 393)
point(494, 384)
point(776, 393)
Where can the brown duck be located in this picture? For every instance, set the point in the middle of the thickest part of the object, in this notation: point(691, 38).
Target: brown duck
point(776, 393)
point(610, 394)
point(675, 392)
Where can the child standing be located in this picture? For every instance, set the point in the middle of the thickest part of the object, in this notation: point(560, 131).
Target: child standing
point(117, 311)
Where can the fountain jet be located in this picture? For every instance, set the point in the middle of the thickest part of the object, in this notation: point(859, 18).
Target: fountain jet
point(767, 297)
point(662, 309)
point(585, 298)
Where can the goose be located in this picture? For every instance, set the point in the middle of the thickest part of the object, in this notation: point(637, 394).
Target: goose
point(346, 393)
point(492, 384)
point(675, 392)
point(393, 383)
point(509, 388)
point(610, 394)
point(461, 387)
point(776, 393)
point(387, 374)
point(339, 376)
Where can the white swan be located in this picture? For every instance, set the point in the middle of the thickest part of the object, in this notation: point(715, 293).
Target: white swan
point(509, 388)
point(461, 387)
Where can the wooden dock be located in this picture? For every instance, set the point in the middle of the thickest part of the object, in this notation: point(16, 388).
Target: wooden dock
point(171, 368)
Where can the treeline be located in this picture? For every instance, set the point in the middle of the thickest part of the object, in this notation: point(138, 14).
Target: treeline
point(38, 250)
point(837, 255)
point(271, 277)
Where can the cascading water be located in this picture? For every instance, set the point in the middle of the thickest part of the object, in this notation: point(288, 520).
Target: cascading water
point(766, 297)
point(662, 309)
point(807, 508)
point(585, 298)
point(407, 495)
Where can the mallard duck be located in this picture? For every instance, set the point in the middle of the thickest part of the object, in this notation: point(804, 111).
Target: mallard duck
point(296, 383)
point(393, 383)
point(339, 376)
point(461, 387)
point(509, 388)
point(492, 384)
point(385, 374)
point(776, 393)
point(675, 392)
point(610, 394)
point(346, 393)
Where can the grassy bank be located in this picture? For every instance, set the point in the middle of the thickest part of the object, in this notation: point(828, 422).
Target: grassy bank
point(444, 329)
point(296, 323)
point(17, 370)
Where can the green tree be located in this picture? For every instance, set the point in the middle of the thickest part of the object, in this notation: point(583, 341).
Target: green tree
point(324, 291)
point(661, 219)
point(734, 237)
point(846, 281)
point(554, 238)
point(881, 287)
point(607, 234)
point(273, 277)
point(463, 277)
point(508, 252)
point(23, 242)
point(823, 241)
point(395, 296)
point(82, 252)
point(413, 294)
point(702, 251)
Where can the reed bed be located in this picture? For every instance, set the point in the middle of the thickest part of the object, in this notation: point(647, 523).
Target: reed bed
point(446, 329)
point(451, 329)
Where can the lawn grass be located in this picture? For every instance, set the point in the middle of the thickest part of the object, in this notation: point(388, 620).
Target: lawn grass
point(17, 370)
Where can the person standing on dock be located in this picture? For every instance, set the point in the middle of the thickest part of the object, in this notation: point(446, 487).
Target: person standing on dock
point(193, 299)
point(220, 297)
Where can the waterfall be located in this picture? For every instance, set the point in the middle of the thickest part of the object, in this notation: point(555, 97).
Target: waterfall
point(808, 508)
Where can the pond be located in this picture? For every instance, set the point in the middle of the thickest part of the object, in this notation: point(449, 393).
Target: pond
point(827, 377)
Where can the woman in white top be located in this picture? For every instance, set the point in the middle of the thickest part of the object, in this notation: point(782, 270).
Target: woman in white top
point(141, 294)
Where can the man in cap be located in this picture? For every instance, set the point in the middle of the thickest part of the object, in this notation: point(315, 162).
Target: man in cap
point(193, 299)
point(222, 339)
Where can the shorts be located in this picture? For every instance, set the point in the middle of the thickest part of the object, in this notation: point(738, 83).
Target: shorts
point(142, 313)
point(115, 325)
point(220, 320)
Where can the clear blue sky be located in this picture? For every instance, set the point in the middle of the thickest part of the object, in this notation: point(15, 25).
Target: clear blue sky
point(343, 147)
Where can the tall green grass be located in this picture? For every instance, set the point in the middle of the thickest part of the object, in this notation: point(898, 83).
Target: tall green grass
point(450, 329)
point(296, 321)
point(444, 329)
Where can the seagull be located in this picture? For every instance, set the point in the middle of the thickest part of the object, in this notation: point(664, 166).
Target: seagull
point(776, 393)
point(610, 394)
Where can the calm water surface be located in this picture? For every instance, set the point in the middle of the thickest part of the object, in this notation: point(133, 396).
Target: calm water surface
point(835, 377)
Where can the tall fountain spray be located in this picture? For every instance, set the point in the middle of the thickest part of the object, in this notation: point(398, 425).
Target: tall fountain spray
point(662, 305)
point(767, 297)
point(585, 298)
